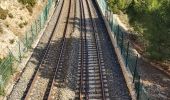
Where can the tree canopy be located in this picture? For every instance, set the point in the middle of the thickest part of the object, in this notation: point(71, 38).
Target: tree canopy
point(153, 18)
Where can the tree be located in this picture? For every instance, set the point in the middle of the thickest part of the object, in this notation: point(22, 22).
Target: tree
point(150, 18)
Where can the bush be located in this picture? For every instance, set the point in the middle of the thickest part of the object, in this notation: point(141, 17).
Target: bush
point(151, 18)
point(3, 13)
point(28, 2)
point(21, 25)
point(25, 23)
point(2, 92)
point(10, 15)
point(116, 5)
point(29, 8)
point(11, 41)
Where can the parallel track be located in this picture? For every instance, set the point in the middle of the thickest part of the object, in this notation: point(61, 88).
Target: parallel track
point(92, 82)
point(51, 83)
point(82, 26)
point(47, 94)
point(86, 55)
point(98, 50)
point(50, 77)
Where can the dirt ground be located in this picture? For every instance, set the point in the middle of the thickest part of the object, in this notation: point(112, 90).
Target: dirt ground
point(156, 82)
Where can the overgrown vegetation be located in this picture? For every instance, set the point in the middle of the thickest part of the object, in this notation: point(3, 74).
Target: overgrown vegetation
point(11, 41)
point(21, 25)
point(151, 18)
point(29, 8)
point(10, 15)
point(3, 13)
point(29, 4)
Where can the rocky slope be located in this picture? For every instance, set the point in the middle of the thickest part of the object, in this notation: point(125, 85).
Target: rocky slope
point(16, 20)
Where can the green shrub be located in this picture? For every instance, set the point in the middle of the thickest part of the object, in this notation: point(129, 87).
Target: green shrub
point(2, 92)
point(151, 18)
point(3, 13)
point(10, 15)
point(116, 5)
point(11, 41)
point(29, 8)
point(21, 18)
point(28, 2)
point(25, 23)
point(21, 25)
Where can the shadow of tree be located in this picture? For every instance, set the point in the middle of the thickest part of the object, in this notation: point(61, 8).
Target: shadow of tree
point(69, 61)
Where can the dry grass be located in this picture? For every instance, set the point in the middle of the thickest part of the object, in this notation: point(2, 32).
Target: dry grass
point(3, 13)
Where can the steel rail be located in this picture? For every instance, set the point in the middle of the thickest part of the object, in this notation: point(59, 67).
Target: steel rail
point(82, 55)
point(97, 47)
point(51, 84)
point(34, 77)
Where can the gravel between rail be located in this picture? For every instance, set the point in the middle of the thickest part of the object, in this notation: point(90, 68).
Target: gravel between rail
point(67, 91)
point(38, 52)
point(116, 82)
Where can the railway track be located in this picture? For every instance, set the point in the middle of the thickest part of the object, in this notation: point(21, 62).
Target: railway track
point(50, 92)
point(49, 67)
point(92, 80)
point(76, 17)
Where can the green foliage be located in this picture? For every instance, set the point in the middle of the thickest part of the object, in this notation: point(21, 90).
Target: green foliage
point(116, 5)
point(11, 41)
point(10, 15)
point(152, 19)
point(29, 8)
point(28, 2)
point(3, 13)
point(25, 23)
point(2, 91)
point(21, 25)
